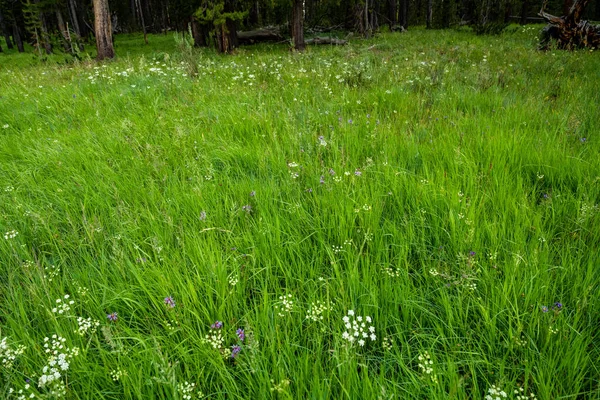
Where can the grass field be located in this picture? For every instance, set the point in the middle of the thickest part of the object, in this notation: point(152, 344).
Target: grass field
point(227, 235)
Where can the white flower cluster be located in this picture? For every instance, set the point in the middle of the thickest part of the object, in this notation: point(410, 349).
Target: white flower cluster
point(426, 365)
point(215, 339)
point(63, 306)
point(388, 343)
point(281, 386)
point(21, 395)
point(10, 234)
point(57, 365)
point(357, 330)
point(286, 306)
point(8, 355)
point(495, 393)
point(233, 279)
point(117, 374)
point(186, 390)
point(316, 310)
point(522, 395)
point(392, 272)
point(86, 325)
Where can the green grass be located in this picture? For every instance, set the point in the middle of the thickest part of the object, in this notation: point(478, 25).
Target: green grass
point(442, 144)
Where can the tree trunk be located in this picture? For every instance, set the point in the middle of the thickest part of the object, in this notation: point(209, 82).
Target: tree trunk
point(366, 16)
point(141, 14)
point(429, 13)
point(298, 25)
point(5, 32)
point(44, 40)
point(17, 38)
point(104, 43)
point(63, 32)
point(75, 22)
point(392, 13)
point(404, 19)
point(228, 32)
point(199, 33)
point(524, 11)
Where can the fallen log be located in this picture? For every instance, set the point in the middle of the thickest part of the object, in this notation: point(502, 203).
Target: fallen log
point(326, 40)
point(259, 36)
point(569, 31)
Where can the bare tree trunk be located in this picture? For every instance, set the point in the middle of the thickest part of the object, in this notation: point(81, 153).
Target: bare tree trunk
point(298, 25)
point(45, 37)
point(5, 32)
point(524, 10)
point(392, 13)
point(199, 33)
point(17, 38)
point(63, 32)
point(104, 43)
point(75, 22)
point(367, 28)
point(429, 13)
point(141, 14)
point(404, 19)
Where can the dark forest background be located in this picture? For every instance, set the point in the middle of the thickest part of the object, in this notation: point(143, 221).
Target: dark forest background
point(68, 25)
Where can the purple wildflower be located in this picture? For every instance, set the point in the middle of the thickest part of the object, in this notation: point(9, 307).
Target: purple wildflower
point(357, 172)
point(240, 334)
point(112, 317)
point(583, 140)
point(170, 302)
point(247, 208)
point(472, 253)
point(350, 121)
point(235, 350)
point(322, 180)
point(321, 138)
point(331, 171)
point(217, 325)
point(202, 215)
point(544, 309)
point(252, 193)
point(309, 190)
point(558, 306)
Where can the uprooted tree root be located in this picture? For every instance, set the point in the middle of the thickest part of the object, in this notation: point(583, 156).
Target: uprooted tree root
point(569, 31)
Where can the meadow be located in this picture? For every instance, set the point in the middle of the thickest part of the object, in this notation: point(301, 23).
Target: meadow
point(413, 216)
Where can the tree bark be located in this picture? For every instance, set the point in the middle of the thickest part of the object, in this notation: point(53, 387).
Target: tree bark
point(392, 13)
point(429, 13)
point(5, 32)
point(260, 35)
point(63, 32)
point(199, 33)
point(104, 42)
point(17, 38)
point(524, 11)
point(404, 19)
point(141, 14)
point(75, 22)
point(298, 25)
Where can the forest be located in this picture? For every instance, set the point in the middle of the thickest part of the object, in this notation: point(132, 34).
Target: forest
point(69, 25)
